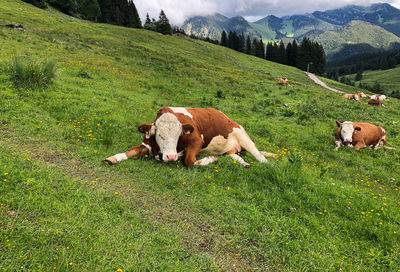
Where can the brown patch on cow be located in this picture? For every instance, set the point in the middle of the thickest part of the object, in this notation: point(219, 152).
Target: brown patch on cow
point(374, 102)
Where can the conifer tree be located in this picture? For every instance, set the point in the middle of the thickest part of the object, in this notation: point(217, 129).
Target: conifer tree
point(106, 8)
point(37, 3)
point(248, 45)
point(67, 6)
point(282, 56)
point(260, 49)
point(241, 43)
point(132, 17)
point(224, 38)
point(163, 26)
point(90, 9)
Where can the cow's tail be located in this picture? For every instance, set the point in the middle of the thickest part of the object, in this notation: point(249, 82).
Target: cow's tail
point(388, 147)
point(269, 155)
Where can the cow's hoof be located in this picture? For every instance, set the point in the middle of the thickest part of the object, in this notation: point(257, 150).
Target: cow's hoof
point(110, 161)
point(246, 165)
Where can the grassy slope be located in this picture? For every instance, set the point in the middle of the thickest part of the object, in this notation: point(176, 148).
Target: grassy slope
point(312, 209)
point(388, 79)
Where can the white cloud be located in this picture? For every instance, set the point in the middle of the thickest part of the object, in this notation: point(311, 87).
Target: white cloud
point(179, 10)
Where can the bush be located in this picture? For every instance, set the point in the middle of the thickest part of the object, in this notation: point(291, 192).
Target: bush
point(26, 74)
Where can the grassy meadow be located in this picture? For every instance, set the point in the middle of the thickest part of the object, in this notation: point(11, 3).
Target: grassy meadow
point(62, 209)
point(388, 79)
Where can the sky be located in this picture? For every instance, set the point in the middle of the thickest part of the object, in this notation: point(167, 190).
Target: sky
point(179, 10)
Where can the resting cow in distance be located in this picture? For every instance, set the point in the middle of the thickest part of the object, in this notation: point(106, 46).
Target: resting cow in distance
point(380, 97)
point(189, 131)
point(284, 81)
point(356, 96)
point(359, 135)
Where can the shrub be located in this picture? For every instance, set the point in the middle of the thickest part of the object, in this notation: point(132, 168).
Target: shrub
point(26, 74)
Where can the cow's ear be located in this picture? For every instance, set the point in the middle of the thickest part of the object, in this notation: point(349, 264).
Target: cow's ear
point(187, 129)
point(147, 129)
point(357, 128)
point(338, 123)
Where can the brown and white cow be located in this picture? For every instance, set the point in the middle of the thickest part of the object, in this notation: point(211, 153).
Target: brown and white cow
point(380, 97)
point(188, 132)
point(359, 135)
point(284, 81)
point(356, 96)
point(374, 102)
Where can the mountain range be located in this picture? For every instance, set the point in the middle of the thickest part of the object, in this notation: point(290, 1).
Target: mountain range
point(342, 32)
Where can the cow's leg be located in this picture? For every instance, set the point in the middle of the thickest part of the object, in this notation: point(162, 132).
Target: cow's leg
point(239, 159)
point(359, 145)
point(206, 161)
point(338, 144)
point(191, 157)
point(134, 152)
point(246, 143)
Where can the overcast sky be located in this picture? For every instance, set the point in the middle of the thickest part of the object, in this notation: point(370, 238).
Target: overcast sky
point(179, 10)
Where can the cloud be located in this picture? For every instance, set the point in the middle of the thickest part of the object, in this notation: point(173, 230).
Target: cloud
point(179, 10)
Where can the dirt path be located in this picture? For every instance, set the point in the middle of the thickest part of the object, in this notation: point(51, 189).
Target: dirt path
point(323, 84)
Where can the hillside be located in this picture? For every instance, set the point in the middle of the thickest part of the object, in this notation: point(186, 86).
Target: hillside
point(62, 209)
point(356, 33)
point(388, 79)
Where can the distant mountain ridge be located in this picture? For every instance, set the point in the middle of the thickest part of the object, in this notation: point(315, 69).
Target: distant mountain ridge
point(341, 31)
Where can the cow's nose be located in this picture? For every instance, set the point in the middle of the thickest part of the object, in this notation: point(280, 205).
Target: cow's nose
point(171, 157)
point(348, 140)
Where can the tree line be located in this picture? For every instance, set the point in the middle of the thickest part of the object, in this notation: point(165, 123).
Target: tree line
point(358, 63)
point(116, 12)
point(308, 55)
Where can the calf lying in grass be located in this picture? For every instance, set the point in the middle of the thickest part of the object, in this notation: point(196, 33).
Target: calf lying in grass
point(188, 132)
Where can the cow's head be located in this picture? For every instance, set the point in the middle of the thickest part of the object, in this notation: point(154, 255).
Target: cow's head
point(167, 129)
point(346, 131)
point(361, 94)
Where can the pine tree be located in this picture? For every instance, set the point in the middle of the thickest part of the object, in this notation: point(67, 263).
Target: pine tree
point(269, 52)
point(37, 3)
point(106, 8)
point(132, 17)
point(224, 38)
point(67, 6)
point(241, 43)
point(248, 45)
point(90, 9)
point(282, 56)
point(260, 49)
point(149, 24)
point(163, 26)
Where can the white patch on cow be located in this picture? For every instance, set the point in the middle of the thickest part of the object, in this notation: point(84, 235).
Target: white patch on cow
point(181, 110)
point(236, 140)
point(383, 130)
point(168, 129)
point(202, 136)
point(206, 161)
point(338, 144)
point(373, 96)
point(362, 94)
point(147, 146)
point(347, 130)
point(120, 157)
point(239, 159)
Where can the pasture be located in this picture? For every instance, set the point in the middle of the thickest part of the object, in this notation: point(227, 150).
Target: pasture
point(62, 209)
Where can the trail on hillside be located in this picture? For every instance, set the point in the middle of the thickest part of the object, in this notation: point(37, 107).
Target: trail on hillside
point(321, 83)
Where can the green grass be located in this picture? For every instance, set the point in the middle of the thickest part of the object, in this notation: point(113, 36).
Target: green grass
point(311, 209)
point(388, 79)
point(25, 74)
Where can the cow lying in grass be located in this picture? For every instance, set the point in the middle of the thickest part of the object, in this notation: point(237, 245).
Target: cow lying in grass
point(380, 97)
point(374, 102)
point(188, 132)
point(359, 135)
point(356, 96)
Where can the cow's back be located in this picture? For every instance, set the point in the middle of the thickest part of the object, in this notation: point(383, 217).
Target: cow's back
point(370, 134)
point(211, 122)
